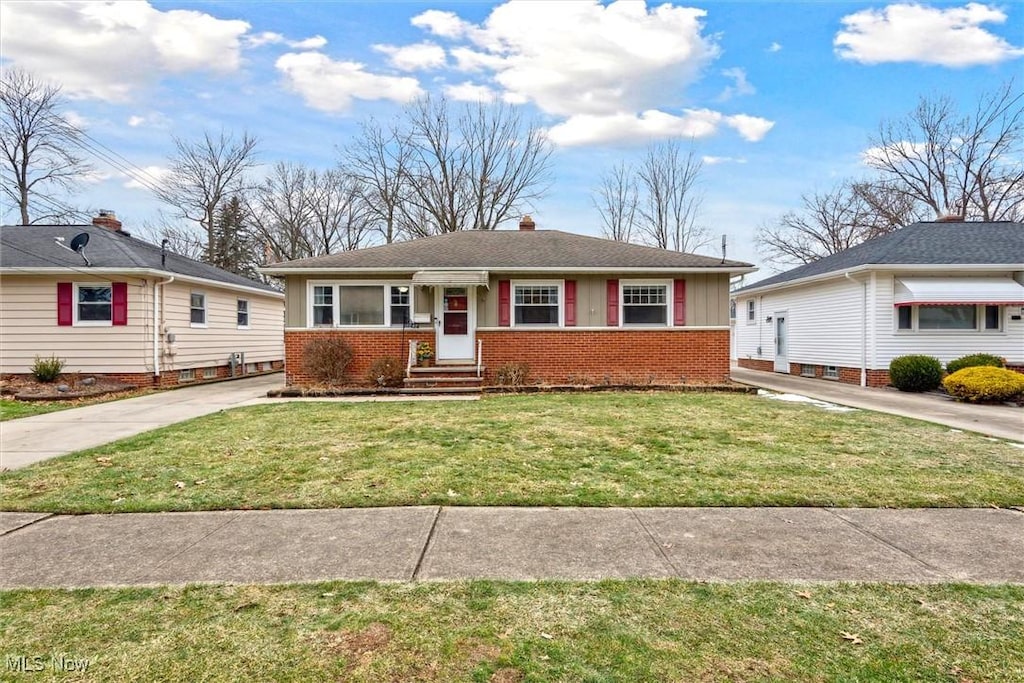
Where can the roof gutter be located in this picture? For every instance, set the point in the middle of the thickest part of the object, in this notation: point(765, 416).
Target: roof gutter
point(145, 272)
point(335, 270)
point(946, 268)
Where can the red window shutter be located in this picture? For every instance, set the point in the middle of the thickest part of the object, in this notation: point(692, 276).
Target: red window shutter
point(613, 303)
point(65, 303)
point(679, 303)
point(504, 303)
point(570, 303)
point(119, 301)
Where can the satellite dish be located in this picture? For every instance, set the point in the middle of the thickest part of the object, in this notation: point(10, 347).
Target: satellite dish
point(79, 241)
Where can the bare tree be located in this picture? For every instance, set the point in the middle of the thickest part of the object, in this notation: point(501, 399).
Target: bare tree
point(340, 219)
point(670, 201)
point(474, 172)
point(379, 159)
point(616, 198)
point(279, 211)
point(205, 173)
point(39, 146)
point(835, 220)
point(970, 165)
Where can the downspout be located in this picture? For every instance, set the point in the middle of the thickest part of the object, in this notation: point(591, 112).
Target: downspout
point(158, 321)
point(863, 329)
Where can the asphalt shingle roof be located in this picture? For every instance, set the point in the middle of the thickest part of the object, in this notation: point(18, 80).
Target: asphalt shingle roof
point(939, 243)
point(518, 249)
point(34, 246)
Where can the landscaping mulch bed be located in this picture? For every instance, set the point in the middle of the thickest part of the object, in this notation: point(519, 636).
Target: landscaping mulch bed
point(65, 388)
point(326, 392)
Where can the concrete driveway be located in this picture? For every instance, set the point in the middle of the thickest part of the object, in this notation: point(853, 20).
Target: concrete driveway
point(30, 439)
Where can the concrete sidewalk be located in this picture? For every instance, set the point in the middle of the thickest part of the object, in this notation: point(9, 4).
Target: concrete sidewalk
point(451, 543)
point(1001, 421)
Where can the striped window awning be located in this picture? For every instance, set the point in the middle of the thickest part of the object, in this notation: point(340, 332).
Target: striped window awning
point(954, 291)
point(450, 278)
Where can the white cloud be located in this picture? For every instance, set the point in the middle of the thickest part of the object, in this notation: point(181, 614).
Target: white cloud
point(470, 92)
point(775, 47)
point(443, 24)
point(330, 85)
point(76, 119)
point(146, 178)
point(951, 37)
point(272, 38)
point(136, 121)
point(714, 161)
point(153, 119)
point(741, 86)
point(118, 47)
point(413, 57)
point(588, 129)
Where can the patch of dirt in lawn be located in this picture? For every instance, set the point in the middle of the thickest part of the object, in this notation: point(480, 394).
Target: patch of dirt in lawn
point(65, 388)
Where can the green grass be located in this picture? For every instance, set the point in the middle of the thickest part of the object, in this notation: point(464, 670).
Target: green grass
point(12, 410)
point(628, 631)
point(631, 449)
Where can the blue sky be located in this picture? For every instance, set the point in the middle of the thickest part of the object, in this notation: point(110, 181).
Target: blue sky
point(780, 97)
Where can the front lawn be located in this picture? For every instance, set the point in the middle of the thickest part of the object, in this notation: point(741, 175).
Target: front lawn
point(623, 449)
point(502, 632)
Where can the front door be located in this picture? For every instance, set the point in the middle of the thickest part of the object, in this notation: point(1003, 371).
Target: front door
point(455, 323)
point(781, 343)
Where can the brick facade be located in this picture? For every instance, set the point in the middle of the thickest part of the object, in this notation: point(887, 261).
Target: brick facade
point(567, 356)
point(875, 378)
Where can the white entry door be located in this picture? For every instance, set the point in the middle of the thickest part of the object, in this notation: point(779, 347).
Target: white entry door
point(455, 323)
point(781, 343)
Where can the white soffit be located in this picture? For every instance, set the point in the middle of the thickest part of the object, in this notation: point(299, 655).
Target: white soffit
point(450, 278)
point(938, 291)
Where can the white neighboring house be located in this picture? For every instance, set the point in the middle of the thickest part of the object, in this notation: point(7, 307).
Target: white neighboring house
point(944, 289)
point(125, 309)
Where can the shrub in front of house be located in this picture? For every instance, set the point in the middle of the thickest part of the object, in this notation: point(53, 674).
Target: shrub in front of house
point(386, 372)
point(513, 374)
point(983, 383)
point(974, 360)
point(915, 373)
point(47, 369)
point(327, 359)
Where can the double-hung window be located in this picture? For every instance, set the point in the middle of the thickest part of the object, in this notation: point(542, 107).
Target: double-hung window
point(537, 304)
point(751, 311)
point(645, 304)
point(243, 313)
point(197, 309)
point(323, 305)
point(401, 297)
point(94, 304)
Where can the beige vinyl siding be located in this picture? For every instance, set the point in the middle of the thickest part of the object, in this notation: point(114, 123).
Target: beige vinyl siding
point(28, 312)
point(213, 344)
point(297, 286)
point(944, 345)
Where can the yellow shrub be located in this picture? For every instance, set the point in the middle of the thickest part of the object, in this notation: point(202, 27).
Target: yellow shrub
point(984, 383)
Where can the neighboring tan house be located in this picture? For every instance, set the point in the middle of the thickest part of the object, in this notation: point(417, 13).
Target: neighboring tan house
point(126, 309)
point(574, 309)
point(943, 289)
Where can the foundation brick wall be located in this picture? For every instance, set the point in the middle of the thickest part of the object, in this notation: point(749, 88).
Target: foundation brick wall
point(612, 356)
point(875, 378)
point(167, 378)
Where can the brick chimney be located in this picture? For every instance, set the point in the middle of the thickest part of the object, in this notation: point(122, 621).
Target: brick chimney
point(526, 223)
point(107, 219)
point(951, 218)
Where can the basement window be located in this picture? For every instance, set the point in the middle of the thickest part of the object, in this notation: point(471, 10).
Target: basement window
point(831, 372)
point(807, 370)
point(186, 375)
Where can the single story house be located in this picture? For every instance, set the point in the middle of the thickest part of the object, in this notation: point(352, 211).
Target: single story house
point(575, 309)
point(126, 309)
point(946, 289)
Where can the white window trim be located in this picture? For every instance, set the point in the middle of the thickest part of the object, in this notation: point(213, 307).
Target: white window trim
point(560, 284)
point(979, 323)
point(206, 310)
point(669, 303)
point(748, 311)
point(385, 286)
point(74, 304)
point(248, 313)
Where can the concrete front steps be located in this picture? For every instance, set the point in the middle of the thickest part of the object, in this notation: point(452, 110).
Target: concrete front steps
point(443, 379)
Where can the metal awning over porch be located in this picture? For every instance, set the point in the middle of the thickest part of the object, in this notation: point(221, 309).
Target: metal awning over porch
point(955, 291)
point(450, 278)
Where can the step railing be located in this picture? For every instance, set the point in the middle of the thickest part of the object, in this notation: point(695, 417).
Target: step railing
point(479, 357)
point(411, 361)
